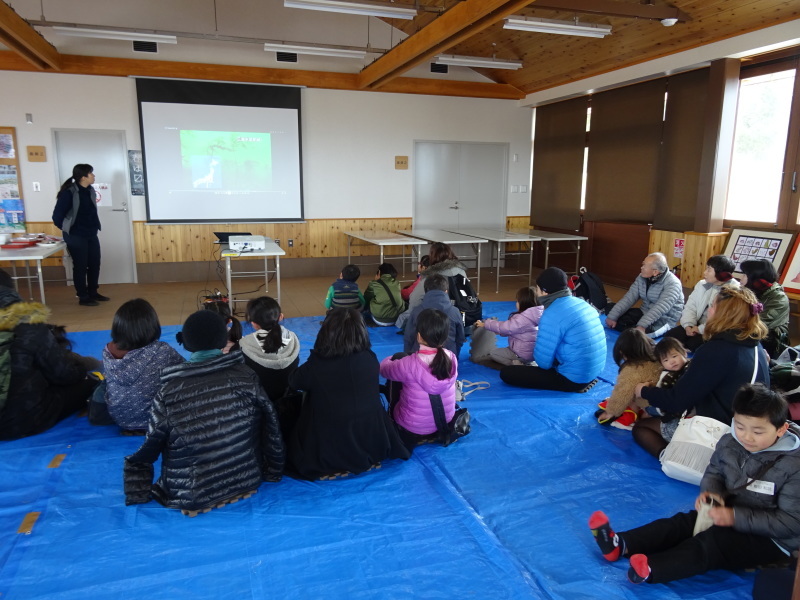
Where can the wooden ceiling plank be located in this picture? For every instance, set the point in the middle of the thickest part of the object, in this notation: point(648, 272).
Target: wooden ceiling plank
point(457, 24)
point(23, 39)
point(126, 67)
point(613, 8)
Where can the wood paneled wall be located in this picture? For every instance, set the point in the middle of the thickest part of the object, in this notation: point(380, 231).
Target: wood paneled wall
point(696, 251)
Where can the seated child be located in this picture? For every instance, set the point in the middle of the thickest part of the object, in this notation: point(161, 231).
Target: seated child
point(749, 490)
point(673, 358)
point(212, 424)
point(521, 329)
point(132, 362)
point(634, 354)
point(272, 351)
point(344, 292)
point(231, 322)
point(382, 296)
point(436, 296)
point(430, 370)
point(424, 263)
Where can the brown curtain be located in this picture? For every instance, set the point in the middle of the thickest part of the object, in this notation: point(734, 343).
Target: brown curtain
point(684, 127)
point(559, 140)
point(624, 148)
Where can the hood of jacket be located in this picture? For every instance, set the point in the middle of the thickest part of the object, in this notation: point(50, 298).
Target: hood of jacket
point(285, 356)
point(786, 443)
point(22, 312)
point(443, 267)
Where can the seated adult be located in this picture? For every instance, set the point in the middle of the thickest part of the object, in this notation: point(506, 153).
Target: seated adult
point(43, 382)
point(761, 277)
point(661, 294)
point(443, 261)
point(730, 357)
point(571, 346)
point(719, 272)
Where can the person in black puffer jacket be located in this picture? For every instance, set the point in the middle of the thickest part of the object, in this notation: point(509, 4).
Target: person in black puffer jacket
point(212, 423)
point(45, 384)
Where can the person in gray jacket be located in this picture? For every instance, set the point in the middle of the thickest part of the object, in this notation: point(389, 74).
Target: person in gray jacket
point(749, 500)
point(661, 294)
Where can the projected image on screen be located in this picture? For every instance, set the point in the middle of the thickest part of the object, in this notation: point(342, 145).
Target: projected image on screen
point(215, 160)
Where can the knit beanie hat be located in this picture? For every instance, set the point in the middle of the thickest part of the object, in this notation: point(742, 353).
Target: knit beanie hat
point(552, 279)
point(204, 330)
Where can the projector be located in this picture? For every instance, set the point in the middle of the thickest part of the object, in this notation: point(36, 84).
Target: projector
point(247, 243)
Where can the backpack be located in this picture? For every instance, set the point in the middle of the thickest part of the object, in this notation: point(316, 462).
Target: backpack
point(589, 287)
point(6, 337)
point(465, 299)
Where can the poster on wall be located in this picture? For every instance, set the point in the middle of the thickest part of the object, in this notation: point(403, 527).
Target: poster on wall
point(136, 172)
point(103, 191)
point(12, 210)
point(7, 146)
point(747, 244)
point(790, 278)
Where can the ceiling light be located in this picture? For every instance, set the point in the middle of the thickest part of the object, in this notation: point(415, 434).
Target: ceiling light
point(315, 50)
point(108, 34)
point(370, 9)
point(557, 27)
point(477, 61)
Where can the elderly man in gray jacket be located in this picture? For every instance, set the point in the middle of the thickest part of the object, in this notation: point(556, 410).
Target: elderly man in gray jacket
point(661, 294)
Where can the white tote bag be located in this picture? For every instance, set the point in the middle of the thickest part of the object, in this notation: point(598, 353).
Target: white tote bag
point(686, 457)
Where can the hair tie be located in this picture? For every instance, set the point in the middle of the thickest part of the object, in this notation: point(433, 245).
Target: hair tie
point(724, 276)
point(756, 309)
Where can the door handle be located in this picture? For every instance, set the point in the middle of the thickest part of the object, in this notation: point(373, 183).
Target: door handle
point(119, 210)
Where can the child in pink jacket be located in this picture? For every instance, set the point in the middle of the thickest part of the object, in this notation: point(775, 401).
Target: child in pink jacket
point(430, 370)
point(521, 329)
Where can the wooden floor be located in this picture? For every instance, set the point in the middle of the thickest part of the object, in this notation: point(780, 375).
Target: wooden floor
point(300, 297)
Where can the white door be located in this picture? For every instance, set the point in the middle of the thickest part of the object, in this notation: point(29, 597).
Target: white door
point(107, 152)
point(460, 184)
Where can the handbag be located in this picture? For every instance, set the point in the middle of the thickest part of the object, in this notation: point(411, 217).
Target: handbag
point(687, 455)
point(450, 431)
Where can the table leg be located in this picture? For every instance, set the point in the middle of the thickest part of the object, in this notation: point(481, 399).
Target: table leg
point(228, 281)
point(28, 277)
point(41, 279)
point(266, 275)
point(478, 290)
point(530, 262)
point(381, 247)
point(577, 257)
point(278, 276)
point(349, 241)
point(497, 288)
point(546, 253)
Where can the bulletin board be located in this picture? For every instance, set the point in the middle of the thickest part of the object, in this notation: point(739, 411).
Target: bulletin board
point(748, 244)
point(12, 208)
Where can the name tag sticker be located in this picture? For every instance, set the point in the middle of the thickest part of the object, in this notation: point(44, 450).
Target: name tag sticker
point(762, 487)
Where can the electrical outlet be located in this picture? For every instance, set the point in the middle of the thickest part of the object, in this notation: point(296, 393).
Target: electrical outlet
point(277, 241)
point(37, 186)
point(291, 243)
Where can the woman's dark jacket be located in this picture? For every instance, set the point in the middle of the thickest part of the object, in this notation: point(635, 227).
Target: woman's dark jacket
point(217, 433)
point(343, 426)
point(44, 381)
point(719, 368)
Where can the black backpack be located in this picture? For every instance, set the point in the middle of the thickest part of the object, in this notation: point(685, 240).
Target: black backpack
point(589, 287)
point(465, 299)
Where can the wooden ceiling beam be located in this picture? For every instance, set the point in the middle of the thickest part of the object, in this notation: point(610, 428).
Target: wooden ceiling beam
point(454, 26)
point(24, 40)
point(126, 67)
point(612, 8)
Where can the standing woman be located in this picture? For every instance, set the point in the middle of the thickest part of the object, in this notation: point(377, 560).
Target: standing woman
point(75, 215)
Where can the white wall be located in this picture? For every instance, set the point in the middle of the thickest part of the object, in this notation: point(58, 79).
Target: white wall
point(350, 139)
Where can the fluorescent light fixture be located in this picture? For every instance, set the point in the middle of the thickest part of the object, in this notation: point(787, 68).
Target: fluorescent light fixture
point(108, 34)
point(315, 50)
point(557, 27)
point(370, 9)
point(477, 61)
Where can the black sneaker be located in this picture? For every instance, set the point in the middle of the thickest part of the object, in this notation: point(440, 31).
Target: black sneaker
point(99, 297)
point(88, 302)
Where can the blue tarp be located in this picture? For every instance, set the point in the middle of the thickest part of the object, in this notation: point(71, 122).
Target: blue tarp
point(500, 514)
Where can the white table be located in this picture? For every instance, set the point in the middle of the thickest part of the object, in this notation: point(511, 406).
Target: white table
point(552, 236)
point(499, 238)
point(271, 250)
point(34, 253)
point(448, 237)
point(380, 239)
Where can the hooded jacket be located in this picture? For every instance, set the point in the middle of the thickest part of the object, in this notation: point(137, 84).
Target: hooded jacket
point(413, 410)
point(439, 300)
point(273, 368)
point(771, 508)
point(718, 369)
point(133, 381)
point(662, 301)
point(446, 268)
point(40, 370)
point(776, 309)
point(217, 434)
point(521, 329)
point(695, 312)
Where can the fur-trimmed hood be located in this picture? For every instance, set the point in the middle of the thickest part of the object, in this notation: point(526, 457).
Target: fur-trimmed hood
point(22, 312)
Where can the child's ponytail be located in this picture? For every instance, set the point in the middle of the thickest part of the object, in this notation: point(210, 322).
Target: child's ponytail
point(434, 328)
point(266, 313)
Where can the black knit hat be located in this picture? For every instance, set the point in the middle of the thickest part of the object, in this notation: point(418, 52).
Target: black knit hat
point(552, 279)
point(204, 330)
